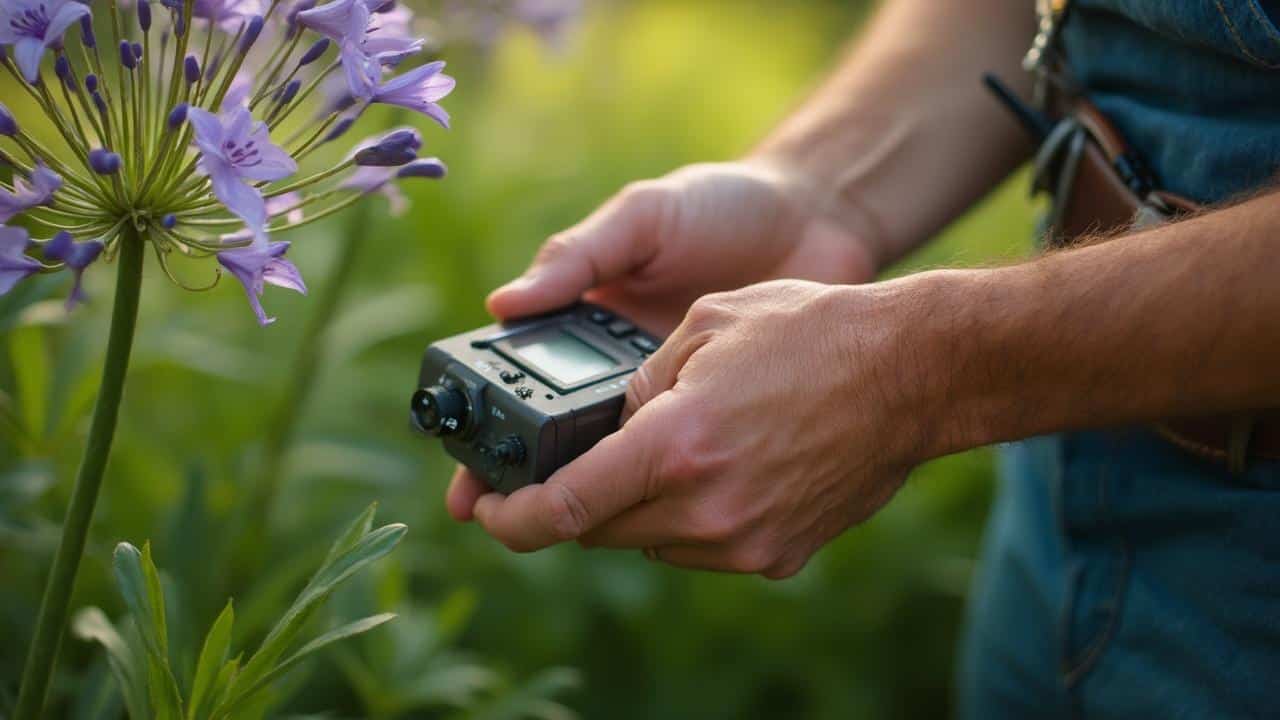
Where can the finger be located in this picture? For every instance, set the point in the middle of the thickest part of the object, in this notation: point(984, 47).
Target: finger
point(648, 524)
point(661, 370)
point(464, 489)
point(693, 557)
point(614, 241)
point(611, 477)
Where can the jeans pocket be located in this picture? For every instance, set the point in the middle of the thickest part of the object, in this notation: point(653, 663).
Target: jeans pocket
point(1253, 29)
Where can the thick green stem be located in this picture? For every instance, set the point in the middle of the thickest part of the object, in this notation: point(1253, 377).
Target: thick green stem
point(52, 620)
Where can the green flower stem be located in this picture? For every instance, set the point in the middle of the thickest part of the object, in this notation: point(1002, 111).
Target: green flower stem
point(52, 620)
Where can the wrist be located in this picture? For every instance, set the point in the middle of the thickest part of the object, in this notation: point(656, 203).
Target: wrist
point(816, 195)
point(929, 338)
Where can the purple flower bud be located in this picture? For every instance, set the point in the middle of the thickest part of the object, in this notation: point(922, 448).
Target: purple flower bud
point(290, 91)
point(144, 15)
point(314, 52)
point(425, 168)
point(340, 129)
point(86, 32)
point(104, 162)
point(191, 69)
point(137, 51)
point(168, 221)
point(91, 83)
point(177, 116)
point(251, 33)
point(126, 55)
point(8, 124)
point(391, 150)
point(180, 22)
point(99, 103)
point(62, 68)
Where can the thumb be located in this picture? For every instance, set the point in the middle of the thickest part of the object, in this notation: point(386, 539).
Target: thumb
point(614, 241)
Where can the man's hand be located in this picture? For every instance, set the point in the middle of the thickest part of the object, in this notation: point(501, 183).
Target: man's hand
point(772, 419)
point(658, 245)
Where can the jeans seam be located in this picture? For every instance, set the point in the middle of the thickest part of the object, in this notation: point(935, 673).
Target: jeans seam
point(1263, 19)
point(1079, 664)
point(1239, 41)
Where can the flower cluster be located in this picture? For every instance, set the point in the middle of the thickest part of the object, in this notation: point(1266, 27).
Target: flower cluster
point(166, 131)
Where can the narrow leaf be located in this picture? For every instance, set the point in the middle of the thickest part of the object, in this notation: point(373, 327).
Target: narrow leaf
point(92, 625)
point(366, 550)
point(340, 633)
point(356, 530)
point(140, 585)
point(212, 657)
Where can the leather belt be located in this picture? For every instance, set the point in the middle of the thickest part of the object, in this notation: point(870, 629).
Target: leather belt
point(1100, 190)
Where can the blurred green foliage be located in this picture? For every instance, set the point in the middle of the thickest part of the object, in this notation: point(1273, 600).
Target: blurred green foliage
point(867, 630)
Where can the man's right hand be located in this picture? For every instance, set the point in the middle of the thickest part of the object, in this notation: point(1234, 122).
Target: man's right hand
point(659, 245)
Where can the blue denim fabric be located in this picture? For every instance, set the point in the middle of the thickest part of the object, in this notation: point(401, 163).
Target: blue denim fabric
point(1120, 576)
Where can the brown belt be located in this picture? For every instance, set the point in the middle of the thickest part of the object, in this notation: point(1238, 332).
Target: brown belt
point(1090, 171)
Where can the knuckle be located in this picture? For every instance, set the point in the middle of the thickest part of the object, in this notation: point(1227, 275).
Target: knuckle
point(692, 454)
point(639, 388)
point(565, 513)
point(556, 246)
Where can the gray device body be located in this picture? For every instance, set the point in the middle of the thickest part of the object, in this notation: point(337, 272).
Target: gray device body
point(517, 401)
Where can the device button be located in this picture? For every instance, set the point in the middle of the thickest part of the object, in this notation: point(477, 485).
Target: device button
point(644, 345)
point(510, 378)
point(600, 317)
point(621, 328)
point(524, 392)
point(509, 451)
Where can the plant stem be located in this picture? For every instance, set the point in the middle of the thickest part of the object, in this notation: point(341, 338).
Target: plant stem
point(52, 620)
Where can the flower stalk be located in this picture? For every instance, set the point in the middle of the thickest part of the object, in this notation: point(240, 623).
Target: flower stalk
point(54, 606)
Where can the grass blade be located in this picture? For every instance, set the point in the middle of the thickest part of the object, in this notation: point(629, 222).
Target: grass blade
point(212, 657)
point(92, 625)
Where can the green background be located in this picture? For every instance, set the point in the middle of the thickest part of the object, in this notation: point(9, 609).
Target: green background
point(540, 136)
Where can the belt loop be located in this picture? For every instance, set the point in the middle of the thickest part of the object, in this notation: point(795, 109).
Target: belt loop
point(1238, 443)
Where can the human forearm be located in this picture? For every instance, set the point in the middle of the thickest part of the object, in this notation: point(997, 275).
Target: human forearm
point(902, 136)
point(1180, 320)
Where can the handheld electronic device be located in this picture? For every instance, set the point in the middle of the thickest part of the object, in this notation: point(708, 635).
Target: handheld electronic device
point(516, 401)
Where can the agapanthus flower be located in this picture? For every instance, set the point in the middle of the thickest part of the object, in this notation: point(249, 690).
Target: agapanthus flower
point(15, 264)
point(26, 195)
point(198, 151)
point(33, 26)
point(235, 150)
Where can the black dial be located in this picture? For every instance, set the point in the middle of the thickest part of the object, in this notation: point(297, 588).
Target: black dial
point(438, 410)
point(510, 451)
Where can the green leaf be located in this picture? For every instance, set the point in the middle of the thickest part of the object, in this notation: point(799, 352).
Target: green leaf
point(212, 657)
point(140, 585)
point(343, 565)
point(349, 537)
point(92, 625)
point(341, 633)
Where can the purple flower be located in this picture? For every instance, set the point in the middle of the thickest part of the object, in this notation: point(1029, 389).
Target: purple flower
point(234, 149)
point(259, 264)
point(419, 89)
point(8, 124)
point(33, 26)
point(389, 38)
point(430, 168)
point(15, 265)
point(549, 18)
point(340, 20)
point(369, 33)
point(44, 182)
point(76, 256)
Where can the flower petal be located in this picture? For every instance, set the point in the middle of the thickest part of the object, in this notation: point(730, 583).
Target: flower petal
point(241, 199)
point(28, 52)
point(63, 18)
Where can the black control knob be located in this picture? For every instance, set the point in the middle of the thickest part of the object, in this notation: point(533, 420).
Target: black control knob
point(509, 451)
point(438, 410)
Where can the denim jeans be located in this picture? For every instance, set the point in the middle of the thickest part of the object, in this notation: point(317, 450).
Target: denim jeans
point(1121, 579)
point(1120, 576)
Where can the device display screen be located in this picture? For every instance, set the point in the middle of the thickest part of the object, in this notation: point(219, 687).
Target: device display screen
point(564, 357)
